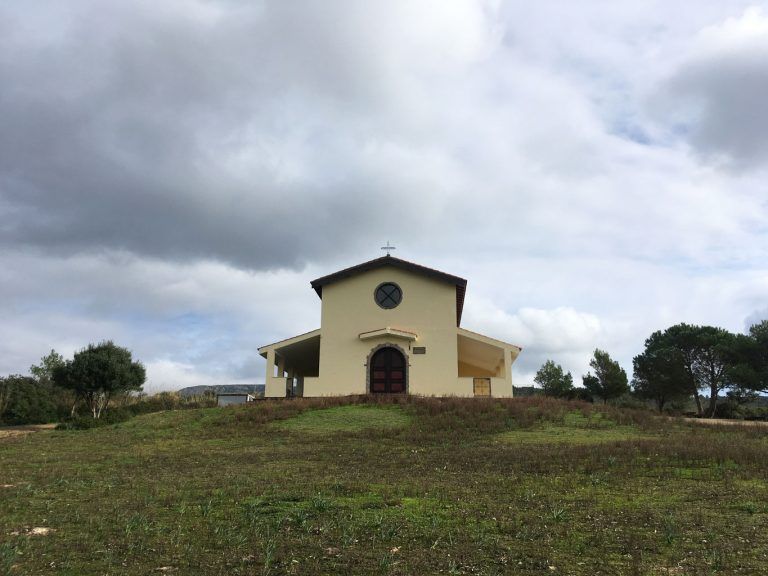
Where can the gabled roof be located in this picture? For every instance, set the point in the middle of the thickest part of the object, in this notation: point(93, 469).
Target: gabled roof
point(460, 283)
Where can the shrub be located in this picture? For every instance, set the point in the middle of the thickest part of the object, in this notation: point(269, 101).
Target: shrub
point(169, 401)
point(130, 406)
point(736, 411)
point(629, 401)
point(79, 422)
point(583, 395)
point(31, 402)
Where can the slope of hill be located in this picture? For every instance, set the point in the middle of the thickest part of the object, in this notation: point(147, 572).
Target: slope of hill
point(255, 389)
point(392, 486)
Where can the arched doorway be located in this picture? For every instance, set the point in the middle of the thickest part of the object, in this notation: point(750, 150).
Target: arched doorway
point(387, 368)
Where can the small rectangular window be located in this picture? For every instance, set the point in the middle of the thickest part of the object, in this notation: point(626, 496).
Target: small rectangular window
point(482, 386)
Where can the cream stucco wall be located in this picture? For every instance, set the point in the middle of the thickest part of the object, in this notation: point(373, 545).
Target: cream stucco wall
point(428, 308)
point(275, 387)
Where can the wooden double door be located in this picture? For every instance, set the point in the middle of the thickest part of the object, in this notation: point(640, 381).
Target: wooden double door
point(388, 371)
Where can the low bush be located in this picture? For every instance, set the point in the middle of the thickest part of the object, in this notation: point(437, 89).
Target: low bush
point(28, 401)
point(630, 401)
point(168, 401)
point(130, 406)
point(736, 411)
point(86, 422)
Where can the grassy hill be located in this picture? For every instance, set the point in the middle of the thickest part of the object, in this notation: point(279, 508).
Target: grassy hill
point(387, 486)
point(255, 389)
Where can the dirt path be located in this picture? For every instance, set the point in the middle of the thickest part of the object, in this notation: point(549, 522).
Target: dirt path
point(725, 422)
point(14, 431)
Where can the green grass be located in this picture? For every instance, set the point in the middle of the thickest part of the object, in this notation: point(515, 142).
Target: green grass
point(568, 435)
point(346, 419)
point(575, 428)
point(387, 486)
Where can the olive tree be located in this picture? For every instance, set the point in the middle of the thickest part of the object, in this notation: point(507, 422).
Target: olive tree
point(98, 373)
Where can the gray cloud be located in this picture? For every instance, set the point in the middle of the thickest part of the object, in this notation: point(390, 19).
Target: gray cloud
point(167, 136)
point(718, 92)
point(270, 136)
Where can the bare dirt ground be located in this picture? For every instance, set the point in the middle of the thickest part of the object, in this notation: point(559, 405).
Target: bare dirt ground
point(14, 431)
point(725, 422)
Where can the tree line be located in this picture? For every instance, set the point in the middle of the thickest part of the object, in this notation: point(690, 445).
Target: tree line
point(682, 362)
point(57, 388)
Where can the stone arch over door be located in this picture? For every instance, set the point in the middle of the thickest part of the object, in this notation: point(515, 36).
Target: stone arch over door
point(376, 353)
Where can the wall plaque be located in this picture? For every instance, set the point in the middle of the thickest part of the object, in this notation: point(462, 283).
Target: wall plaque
point(419, 349)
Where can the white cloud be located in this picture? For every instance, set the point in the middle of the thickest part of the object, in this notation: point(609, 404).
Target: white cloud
point(171, 316)
point(562, 334)
point(170, 375)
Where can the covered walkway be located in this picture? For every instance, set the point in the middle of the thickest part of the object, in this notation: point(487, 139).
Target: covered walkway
point(291, 363)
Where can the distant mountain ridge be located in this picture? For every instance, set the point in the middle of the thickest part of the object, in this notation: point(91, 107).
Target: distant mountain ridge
point(255, 389)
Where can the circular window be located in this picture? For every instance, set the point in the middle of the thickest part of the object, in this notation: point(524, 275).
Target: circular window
point(388, 295)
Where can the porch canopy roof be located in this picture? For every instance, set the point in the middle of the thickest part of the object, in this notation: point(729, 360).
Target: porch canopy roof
point(477, 351)
point(387, 331)
point(301, 352)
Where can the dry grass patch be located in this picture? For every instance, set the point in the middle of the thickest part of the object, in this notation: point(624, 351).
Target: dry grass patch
point(16, 431)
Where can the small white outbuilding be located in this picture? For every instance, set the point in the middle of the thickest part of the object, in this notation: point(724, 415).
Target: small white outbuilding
point(232, 398)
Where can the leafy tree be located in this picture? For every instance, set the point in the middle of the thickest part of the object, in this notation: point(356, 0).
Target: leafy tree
point(684, 339)
point(30, 401)
point(717, 356)
point(592, 385)
point(759, 332)
point(703, 351)
point(759, 335)
point(660, 374)
point(7, 386)
point(716, 360)
point(609, 380)
point(748, 373)
point(98, 373)
point(553, 381)
point(43, 372)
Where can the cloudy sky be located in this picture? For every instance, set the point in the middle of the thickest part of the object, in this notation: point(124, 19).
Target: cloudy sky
point(173, 174)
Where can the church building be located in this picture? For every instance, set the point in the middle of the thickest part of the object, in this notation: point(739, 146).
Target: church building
point(390, 326)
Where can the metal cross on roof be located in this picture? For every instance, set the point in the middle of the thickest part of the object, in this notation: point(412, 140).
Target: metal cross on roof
point(388, 248)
